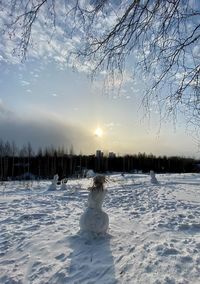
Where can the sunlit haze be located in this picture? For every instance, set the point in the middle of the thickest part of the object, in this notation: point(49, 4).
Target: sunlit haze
point(98, 132)
point(47, 105)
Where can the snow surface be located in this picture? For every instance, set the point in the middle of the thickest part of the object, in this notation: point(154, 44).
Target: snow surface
point(154, 232)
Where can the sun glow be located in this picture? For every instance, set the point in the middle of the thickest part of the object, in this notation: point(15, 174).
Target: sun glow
point(98, 132)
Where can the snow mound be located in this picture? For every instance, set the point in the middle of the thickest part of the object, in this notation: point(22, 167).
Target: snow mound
point(90, 174)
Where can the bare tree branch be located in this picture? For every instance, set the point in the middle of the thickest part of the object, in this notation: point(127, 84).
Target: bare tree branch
point(161, 37)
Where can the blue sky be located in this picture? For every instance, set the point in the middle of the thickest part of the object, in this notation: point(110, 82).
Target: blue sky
point(45, 102)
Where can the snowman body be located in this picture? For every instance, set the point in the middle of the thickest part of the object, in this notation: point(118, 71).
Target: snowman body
point(63, 184)
point(94, 219)
point(153, 177)
point(52, 186)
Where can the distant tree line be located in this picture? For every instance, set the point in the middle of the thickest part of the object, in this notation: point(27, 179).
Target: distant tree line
point(25, 163)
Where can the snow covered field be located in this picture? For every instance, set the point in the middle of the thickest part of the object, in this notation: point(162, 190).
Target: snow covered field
point(154, 234)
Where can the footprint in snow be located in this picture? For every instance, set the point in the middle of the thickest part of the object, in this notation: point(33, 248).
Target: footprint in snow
point(61, 257)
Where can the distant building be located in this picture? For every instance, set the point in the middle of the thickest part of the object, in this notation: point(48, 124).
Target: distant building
point(99, 154)
point(111, 155)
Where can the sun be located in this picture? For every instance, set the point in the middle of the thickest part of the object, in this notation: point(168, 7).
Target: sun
point(98, 132)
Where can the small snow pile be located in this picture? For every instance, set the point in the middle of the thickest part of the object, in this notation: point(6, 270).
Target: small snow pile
point(153, 178)
point(63, 184)
point(90, 174)
point(94, 219)
point(52, 187)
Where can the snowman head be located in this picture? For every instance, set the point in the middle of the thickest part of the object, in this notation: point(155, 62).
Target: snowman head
point(98, 181)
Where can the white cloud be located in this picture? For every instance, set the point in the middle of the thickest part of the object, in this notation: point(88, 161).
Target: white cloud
point(48, 42)
point(109, 125)
point(196, 51)
point(25, 83)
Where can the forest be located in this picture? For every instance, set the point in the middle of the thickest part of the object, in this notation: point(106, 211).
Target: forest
point(25, 163)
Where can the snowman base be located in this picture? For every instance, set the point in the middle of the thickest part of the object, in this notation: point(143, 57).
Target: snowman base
point(95, 221)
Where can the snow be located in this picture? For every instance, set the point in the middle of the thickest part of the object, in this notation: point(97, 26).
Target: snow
point(154, 232)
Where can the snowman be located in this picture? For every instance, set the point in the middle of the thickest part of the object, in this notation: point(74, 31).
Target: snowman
point(52, 186)
point(63, 184)
point(153, 178)
point(94, 219)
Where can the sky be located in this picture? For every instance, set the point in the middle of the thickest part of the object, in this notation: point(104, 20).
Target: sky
point(45, 102)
